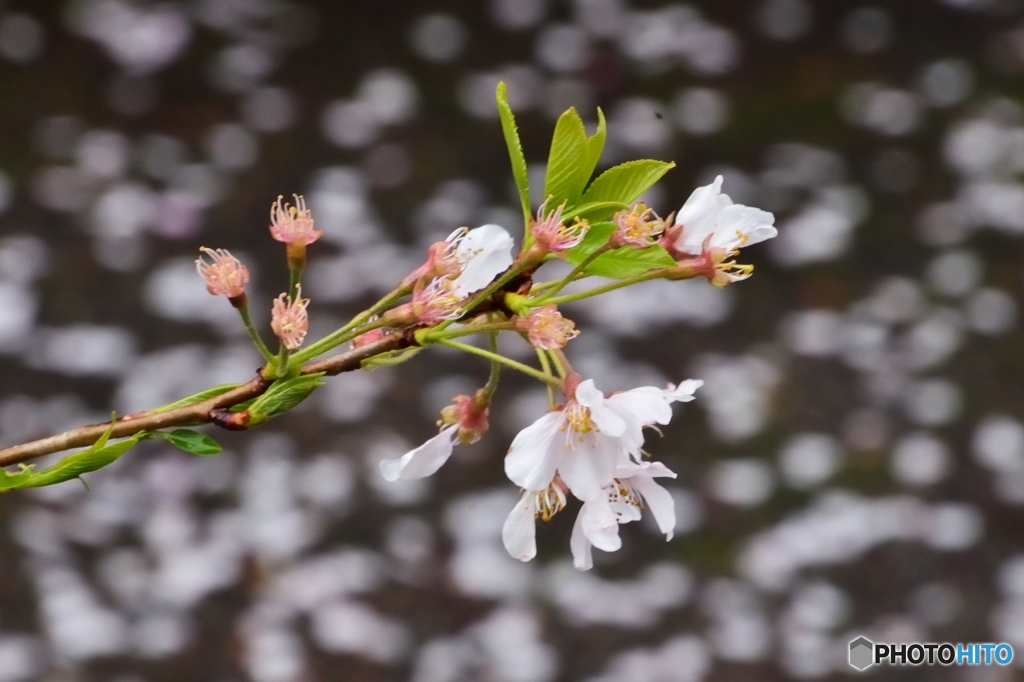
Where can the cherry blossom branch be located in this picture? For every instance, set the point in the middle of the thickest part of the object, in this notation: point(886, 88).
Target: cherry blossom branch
point(352, 328)
point(201, 412)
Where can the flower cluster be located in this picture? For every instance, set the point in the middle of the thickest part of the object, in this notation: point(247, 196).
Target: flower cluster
point(589, 446)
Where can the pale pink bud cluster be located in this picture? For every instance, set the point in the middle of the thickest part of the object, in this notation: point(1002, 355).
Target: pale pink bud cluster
point(471, 415)
point(546, 328)
point(225, 276)
point(289, 320)
point(442, 259)
point(290, 224)
point(552, 234)
point(435, 302)
point(636, 227)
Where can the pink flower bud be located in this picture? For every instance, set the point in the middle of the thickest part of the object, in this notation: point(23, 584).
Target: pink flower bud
point(225, 276)
point(292, 223)
point(554, 236)
point(471, 414)
point(289, 320)
point(546, 328)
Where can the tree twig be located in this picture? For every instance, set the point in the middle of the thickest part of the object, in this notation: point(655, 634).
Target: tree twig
point(201, 412)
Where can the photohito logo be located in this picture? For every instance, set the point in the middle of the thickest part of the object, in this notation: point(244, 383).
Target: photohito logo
point(865, 653)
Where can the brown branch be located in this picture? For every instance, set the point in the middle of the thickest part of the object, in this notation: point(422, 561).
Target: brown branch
point(201, 412)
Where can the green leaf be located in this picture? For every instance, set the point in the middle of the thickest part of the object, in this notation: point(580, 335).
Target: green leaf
point(567, 172)
point(396, 357)
point(197, 397)
point(624, 262)
point(595, 144)
point(283, 395)
point(191, 441)
point(625, 183)
point(596, 237)
point(515, 148)
point(72, 466)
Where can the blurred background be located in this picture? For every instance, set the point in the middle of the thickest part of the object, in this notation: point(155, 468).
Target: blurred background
point(853, 465)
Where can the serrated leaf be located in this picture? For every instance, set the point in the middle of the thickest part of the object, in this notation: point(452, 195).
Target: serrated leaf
point(72, 466)
point(515, 148)
point(625, 183)
point(625, 262)
point(197, 397)
point(191, 441)
point(283, 395)
point(567, 171)
point(595, 143)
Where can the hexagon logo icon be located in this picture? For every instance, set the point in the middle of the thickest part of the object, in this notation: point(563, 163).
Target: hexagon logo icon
point(861, 653)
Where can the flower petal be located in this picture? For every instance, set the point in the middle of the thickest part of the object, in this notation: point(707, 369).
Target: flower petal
point(659, 501)
point(647, 404)
point(519, 534)
point(698, 216)
point(486, 252)
point(600, 525)
point(582, 556)
point(683, 393)
point(588, 467)
point(424, 460)
point(534, 455)
point(741, 225)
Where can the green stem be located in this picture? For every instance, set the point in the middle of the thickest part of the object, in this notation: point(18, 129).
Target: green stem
point(341, 335)
point(561, 283)
point(492, 380)
point(653, 274)
point(556, 360)
point(294, 277)
point(494, 357)
point(546, 366)
point(490, 327)
point(257, 340)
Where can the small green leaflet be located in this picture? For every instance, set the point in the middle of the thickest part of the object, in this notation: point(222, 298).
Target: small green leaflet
point(283, 395)
point(619, 263)
point(624, 184)
point(567, 171)
point(515, 148)
point(99, 455)
point(388, 359)
point(191, 441)
point(197, 397)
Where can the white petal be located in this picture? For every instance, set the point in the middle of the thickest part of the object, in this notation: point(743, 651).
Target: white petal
point(589, 466)
point(582, 557)
point(600, 525)
point(589, 396)
point(659, 501)
point(684, 391)
point(742, 226)
point(519, 534)
point(424, 460)
point(698, 216)
point(534, 454)
point(486, 252)
point(647, 404)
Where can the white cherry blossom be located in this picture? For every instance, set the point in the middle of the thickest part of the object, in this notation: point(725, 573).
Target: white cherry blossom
point(709, 219)
point(589, 437)
point(424, 460)
point(621, 501)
